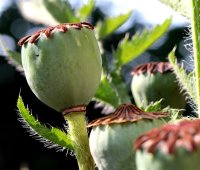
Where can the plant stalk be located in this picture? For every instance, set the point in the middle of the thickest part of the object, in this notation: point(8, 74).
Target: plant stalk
point(195, 13)
point(79, 136)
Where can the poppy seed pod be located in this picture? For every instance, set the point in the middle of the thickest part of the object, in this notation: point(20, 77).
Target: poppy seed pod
point(154, 81)
point(171, 147)
point(112, 136)
point(62, 64)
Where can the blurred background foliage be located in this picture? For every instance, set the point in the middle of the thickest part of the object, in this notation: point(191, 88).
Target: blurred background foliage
point(125, 29)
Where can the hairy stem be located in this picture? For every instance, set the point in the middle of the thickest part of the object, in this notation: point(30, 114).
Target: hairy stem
point(79, 136)
point(195, 13)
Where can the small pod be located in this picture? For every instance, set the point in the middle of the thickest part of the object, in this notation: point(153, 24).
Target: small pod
point(171, 147)
point(62, 64)
point(112, 136)
point(154, 81)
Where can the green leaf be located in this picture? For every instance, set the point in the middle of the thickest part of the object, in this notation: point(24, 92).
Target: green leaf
point(86, 10)
point(178, 5)
point(120, 86)
point(186, 81)
point(130, 49)
point(109, 25)
point(174, 114)
point(60, 10)
point(15, 57)
point(54, 135)
point(107, 93)
point(12, 55)
point(154, 107)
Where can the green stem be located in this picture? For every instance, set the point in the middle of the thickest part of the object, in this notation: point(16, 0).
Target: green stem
point(79, 136)
point(195, 13)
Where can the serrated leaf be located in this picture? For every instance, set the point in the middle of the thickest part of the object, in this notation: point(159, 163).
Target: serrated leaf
point(186, 81)
point(60, 10)
point(130, 49)
point(154, 107)
point(109, 25)
point(174, 114)
point(86, 10)
point(15, 57)
point(120, 86)
point(106, 93)
point(53, 134)
point(12, 57)
point(178, 5)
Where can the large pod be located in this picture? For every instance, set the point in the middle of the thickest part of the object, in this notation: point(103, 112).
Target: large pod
point(112, 136)
point(62, 64)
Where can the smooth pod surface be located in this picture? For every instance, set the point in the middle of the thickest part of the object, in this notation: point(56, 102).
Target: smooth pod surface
point(151, 86)
point(182, 160)
point(171, 147)
point(63, 70)
point(112, 136)
point(111, 145)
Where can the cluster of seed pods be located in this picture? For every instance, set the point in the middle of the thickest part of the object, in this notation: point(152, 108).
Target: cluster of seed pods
point(72, 47)
point(112, 136)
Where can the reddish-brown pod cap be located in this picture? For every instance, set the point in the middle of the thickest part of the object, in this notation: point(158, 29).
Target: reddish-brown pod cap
point(57, 63)
point(112, 136)
point(185, 134)
point(127, 113)
point(48, 31)
point(152, 67)
point(154, 81)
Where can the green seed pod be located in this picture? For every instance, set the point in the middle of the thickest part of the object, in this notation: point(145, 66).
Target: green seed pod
point(62, 64)
point(112, 136)
point(153, 81)
point(171, 147)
